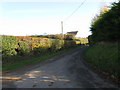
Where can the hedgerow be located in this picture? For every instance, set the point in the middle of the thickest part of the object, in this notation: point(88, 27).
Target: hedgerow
point(9, 44)
point(31, 46)
point(23, 48)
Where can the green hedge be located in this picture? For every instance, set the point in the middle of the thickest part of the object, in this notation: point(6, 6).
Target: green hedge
point(9, 44)
point(31, 46)
point(23, 48)
point(57, 45)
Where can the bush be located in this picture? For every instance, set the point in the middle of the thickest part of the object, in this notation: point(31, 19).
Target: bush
point(39, 51)
point(69, 43)
point(23, 48)
point(33, 46)
point(40, 45)
point(56, 45)
point(9, 44)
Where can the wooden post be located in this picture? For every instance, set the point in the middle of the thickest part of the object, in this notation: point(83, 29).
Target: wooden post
point(62, 29)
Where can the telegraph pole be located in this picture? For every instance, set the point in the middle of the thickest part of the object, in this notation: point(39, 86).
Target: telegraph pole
point(62, 29)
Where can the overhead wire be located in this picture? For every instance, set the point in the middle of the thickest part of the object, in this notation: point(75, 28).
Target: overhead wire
point(74, 11)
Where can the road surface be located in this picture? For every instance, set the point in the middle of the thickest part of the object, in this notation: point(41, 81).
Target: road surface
point(64, 71)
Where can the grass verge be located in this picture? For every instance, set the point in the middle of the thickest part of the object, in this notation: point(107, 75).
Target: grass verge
point(10, 66)
point(105, 58)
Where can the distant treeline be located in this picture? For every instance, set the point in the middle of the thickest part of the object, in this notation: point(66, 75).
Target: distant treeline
point(106, 26)
point(78, 40)
point(56, 36)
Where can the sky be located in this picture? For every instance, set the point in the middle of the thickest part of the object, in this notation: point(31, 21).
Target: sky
point(38, 17)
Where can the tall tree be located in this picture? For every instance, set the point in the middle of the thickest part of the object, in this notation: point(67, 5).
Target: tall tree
point(106, 26)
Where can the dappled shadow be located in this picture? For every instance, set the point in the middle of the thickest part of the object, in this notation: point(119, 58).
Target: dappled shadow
point(36, 78)
point(67, 72)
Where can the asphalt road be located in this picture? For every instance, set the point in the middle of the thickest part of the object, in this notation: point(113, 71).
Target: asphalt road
point(64, 71)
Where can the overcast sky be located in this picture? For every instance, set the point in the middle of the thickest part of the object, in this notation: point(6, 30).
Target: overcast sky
point(30, 17)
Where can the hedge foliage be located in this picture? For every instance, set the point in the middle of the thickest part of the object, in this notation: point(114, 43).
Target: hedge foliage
point(56, 36)
point(23, 48)
point(9, 44)
point(31, 46)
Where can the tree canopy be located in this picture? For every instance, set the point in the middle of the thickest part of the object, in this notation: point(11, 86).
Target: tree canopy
point(106, 26)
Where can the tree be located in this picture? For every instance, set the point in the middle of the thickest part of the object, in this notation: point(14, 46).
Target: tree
point(105, 27)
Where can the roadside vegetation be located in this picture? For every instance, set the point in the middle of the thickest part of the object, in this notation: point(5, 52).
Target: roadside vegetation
point(105, 58)
point(81, 41)
point(33, 60)
point(78, 40)
point(103, 52)
point(18, 51)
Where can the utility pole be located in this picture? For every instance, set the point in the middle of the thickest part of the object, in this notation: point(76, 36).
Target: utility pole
point(62, 30)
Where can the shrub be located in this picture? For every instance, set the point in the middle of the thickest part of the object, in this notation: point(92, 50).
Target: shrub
point(69, 43)
point(57, 45)
point(40, 45)
point(32, 46)
point(23, 48)
point(9, 44)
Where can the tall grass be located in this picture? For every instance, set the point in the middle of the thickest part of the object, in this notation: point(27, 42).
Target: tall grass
point(105, 57)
